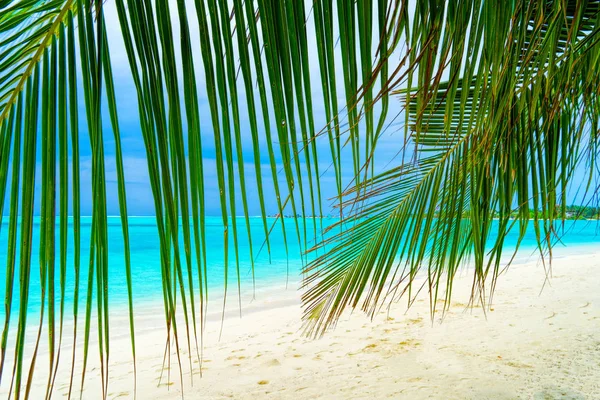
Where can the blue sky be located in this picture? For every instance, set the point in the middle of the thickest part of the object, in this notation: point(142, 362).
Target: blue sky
point(139, 194)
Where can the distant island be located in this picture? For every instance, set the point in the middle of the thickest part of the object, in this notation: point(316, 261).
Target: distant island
point(572, 212)
point(582, 212)
point(300, 216)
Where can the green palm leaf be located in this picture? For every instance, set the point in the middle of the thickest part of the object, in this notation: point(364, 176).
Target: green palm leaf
point(484, 146)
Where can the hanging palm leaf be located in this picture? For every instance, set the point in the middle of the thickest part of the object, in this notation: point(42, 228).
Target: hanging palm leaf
point(503, 135)
point(39, 53)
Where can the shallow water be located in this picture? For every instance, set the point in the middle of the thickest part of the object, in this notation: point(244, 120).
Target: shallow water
point(269, 269)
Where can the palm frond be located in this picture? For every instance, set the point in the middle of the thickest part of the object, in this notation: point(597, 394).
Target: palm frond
point(39, 54)
point(502, 136)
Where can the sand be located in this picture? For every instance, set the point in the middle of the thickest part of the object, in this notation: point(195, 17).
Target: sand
point(530, 345)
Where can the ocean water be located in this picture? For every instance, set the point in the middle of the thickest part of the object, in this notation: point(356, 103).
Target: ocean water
point(269, 269)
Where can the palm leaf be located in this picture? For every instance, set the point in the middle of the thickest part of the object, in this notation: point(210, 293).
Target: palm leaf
point(38, 51)
point(484, 146)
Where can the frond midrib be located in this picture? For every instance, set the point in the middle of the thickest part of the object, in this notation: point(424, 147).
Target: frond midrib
point(36, 58)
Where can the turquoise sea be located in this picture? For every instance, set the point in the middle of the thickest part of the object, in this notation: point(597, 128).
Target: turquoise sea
point(276, 269)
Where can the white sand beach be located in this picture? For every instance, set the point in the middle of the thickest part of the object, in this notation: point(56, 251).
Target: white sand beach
point(530, 345)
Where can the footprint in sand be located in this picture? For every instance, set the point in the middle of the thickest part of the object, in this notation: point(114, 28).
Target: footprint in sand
point(263, 382)
point(367, 349)
point(410, 343)
point(273, 363)
point(518, 365)
point(235, 358)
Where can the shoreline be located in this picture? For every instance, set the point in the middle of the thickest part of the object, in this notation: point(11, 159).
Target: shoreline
point(270, 293)
point(529, 344)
